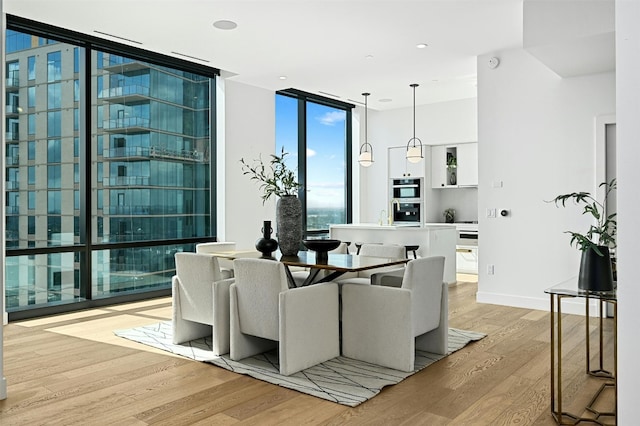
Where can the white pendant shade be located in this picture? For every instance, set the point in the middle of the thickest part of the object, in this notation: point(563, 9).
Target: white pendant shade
point(414, 154)
point(365, 159)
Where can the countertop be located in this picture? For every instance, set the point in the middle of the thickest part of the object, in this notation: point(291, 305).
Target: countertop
point(397, 227)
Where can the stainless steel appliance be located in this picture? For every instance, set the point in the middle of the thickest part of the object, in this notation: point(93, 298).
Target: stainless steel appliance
point(406, 201)
point(467, 248)
point(406, 213)
point(403, 189)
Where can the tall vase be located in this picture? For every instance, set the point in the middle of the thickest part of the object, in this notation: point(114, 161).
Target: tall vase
point(289, 224)
point(266, 245)
point(595, 270)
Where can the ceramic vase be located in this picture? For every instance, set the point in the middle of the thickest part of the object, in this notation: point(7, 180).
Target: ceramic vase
point(289, 224)
point(595, 270)
point(266, 245)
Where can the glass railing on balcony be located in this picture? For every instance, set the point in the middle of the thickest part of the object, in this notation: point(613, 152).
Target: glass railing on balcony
point(12, 109)
point(12, 209)
point(124, 123)
point(117, 92)
point(13, 160)
point(12, 136)
point(126, 152)
point(13, 80)
point(154, 152)
point(11, 185)
point(160, 209)
point(126, 181)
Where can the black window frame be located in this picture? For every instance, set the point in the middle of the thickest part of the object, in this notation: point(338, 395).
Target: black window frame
point(302, 98)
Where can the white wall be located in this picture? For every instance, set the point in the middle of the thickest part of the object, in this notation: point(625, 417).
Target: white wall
point(249, 121)
point(438, 123)
point(628, 135)
point(536, 135)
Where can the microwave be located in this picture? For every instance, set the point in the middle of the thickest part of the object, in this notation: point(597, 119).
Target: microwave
point(406, 188)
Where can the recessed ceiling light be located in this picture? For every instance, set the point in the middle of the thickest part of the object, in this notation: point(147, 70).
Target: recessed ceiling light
point(421, 45)
point(283, 77)
point(385, 100)
point(369, 57)
point(225, 25)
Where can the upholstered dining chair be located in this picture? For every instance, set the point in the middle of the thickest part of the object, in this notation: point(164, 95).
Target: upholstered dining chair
point(200, 302)
point(385, 325)
point(391, 251)
point(301, 322)
point(226, 266)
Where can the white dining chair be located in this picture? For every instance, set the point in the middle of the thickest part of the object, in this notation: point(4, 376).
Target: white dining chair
point(200, 301)
point(226, 266)
point(385, 325)
point(265, 314)
point(390, 251)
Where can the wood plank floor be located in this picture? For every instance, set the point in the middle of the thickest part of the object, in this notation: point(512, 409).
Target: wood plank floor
point(71, 369)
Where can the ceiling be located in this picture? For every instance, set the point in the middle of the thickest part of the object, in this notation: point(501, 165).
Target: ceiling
point(339, 48)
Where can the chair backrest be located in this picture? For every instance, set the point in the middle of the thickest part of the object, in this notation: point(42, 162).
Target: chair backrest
point(258, 284)
point(196, 274)
point(197, 267)
point(424, 277)
point(391, 251)
point(341, 249)
point(215, 247)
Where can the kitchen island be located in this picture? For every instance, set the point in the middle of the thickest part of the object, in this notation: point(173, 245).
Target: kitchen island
point(433, 240)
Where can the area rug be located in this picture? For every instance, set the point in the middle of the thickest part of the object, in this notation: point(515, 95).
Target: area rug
point(342, 380)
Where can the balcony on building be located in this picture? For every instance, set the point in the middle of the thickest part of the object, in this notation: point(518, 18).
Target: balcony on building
point(125, 94)
point(130, 124)
point(134, 153)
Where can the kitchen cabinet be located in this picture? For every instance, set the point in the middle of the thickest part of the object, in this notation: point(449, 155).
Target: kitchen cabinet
point(454, 165)
point(399, 166)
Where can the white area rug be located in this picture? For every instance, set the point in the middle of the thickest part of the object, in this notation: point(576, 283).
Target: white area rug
point(342, 380)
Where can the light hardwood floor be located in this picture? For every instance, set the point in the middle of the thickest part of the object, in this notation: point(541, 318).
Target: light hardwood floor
point(71, 369)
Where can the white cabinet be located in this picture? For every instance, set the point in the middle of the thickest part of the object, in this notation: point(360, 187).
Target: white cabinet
point(467, 259)
point(453, 166)
point(399, 166)
point(467, 164)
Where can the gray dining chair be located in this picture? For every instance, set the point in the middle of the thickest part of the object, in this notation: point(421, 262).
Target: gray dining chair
point(385, 325)
point(391, 251)
point(266, 314)
point(200, 301)
point(213, 247)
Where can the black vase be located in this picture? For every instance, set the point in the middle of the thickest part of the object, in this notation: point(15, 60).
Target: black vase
point(595, 270)
point(266, 245)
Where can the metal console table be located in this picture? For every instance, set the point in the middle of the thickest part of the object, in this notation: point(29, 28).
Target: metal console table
point(569, 289)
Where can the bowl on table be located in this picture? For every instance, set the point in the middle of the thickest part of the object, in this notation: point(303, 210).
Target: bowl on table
point(321, 247)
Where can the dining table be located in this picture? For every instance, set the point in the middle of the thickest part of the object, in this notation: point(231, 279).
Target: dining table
point(320, 270)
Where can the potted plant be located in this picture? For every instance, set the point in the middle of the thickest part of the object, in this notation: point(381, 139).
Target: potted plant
point(449, 215)
point(452, 164)
point(595, 245)
point(275, 178)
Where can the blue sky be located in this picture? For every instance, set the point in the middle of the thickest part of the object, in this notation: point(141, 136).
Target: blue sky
point(325, 149)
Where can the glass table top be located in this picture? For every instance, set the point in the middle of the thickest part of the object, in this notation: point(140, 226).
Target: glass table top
point(570, 288)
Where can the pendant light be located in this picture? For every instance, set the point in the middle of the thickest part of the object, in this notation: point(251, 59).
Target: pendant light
point(366, 150)
point(414, 146)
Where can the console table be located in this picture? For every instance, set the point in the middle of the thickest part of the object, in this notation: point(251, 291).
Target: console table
point(569, 289)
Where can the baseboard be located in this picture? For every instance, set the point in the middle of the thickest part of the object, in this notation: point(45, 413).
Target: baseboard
point(569, 306)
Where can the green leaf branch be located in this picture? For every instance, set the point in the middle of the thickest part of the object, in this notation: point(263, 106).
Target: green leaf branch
point(604, 230)
point(275, 177)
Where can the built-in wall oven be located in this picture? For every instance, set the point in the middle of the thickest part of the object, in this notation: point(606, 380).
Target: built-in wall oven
point(406, 188)
point(406, 202)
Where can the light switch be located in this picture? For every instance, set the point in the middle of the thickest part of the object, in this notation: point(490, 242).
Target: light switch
point(491, 213)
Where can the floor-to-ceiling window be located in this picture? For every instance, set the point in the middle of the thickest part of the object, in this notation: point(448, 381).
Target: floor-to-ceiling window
point(321, 129)
point(109, 158)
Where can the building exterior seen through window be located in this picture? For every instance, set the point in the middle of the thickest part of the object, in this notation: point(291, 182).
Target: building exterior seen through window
point(102, 165)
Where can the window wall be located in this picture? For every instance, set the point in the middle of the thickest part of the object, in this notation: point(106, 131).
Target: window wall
point(108, 170)
point(321, 129)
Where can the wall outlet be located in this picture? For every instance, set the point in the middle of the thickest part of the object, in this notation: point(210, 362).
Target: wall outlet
point(491, 213)
point(490, 269)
